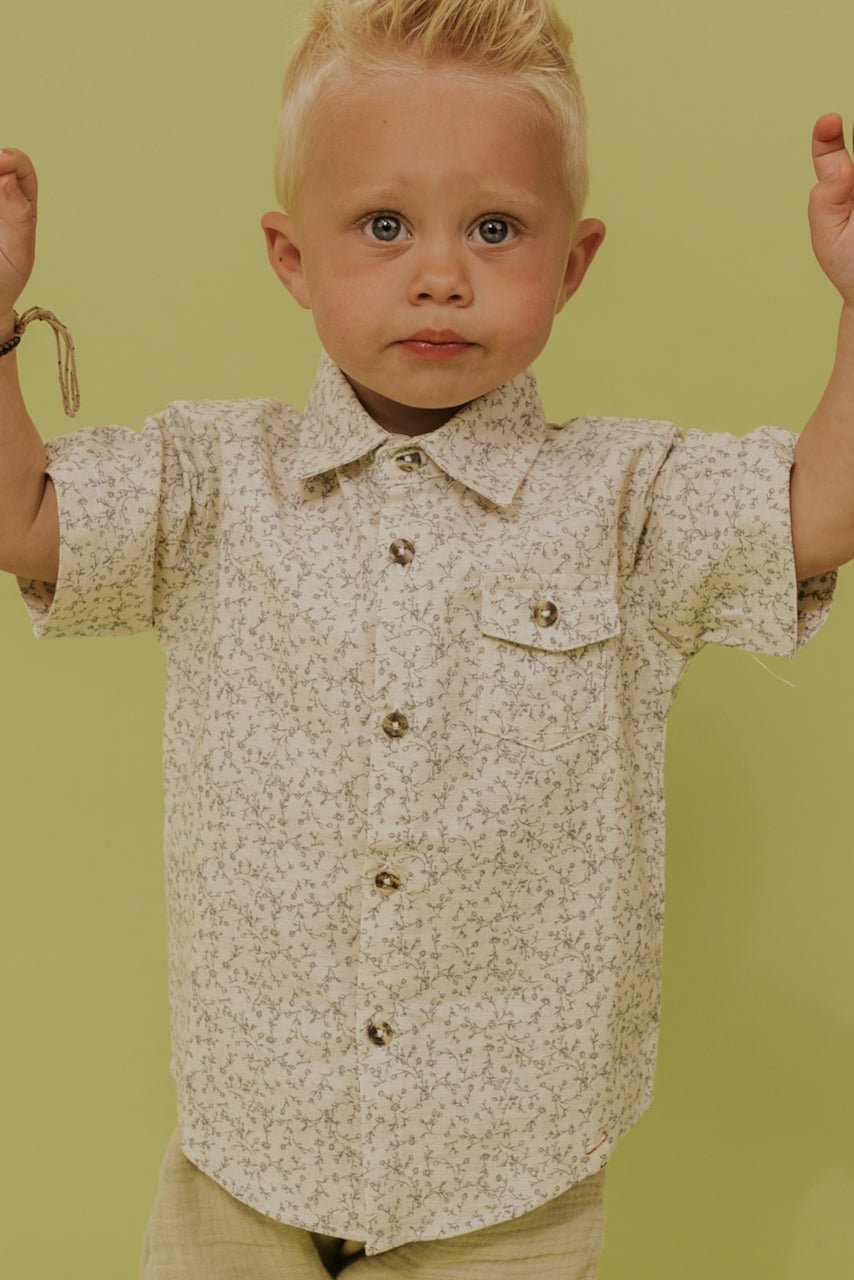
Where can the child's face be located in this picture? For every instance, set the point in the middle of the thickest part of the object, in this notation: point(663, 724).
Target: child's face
point(432, 239)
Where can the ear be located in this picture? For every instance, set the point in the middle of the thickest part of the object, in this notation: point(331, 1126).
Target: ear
point(588, 236)
point(285, 257)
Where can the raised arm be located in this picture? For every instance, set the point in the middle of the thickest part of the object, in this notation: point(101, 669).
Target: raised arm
point(29, 528)
point(823, 475)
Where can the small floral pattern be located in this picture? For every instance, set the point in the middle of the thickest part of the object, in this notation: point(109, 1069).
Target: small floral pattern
point(414, 836)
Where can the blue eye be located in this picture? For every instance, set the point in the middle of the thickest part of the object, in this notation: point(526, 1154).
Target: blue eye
point(494, 231)
point(384, 227)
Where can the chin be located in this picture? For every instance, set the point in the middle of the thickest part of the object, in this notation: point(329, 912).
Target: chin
point(446, 393)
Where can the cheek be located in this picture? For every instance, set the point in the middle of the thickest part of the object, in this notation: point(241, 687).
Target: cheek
point(531, 313)
point(332, 315)
point(342, 302)
point(532, 293)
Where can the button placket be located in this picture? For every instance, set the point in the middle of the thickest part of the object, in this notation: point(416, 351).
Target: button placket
point(396, 749)
point(402, 552)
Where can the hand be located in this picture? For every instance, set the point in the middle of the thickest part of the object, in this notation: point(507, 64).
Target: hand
point(831, 208)
point(18, 200)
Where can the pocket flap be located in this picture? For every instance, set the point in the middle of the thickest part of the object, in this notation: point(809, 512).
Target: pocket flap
point(545, 612)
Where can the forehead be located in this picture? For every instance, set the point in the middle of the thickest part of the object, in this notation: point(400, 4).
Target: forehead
point(444, 125)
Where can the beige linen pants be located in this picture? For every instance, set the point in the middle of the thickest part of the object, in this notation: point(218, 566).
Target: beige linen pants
point(199, 1232)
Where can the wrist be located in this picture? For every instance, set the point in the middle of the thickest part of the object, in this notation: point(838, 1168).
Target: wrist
point(8, 319)
point(846, 321)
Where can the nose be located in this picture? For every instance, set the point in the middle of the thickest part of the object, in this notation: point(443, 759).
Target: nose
point(439, 274)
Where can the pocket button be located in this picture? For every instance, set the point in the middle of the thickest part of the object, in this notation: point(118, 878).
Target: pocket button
point(545, 613)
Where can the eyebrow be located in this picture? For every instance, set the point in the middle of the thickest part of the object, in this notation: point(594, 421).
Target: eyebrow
point(493, 197)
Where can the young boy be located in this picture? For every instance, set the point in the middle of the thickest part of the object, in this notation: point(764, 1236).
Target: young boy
point(421, 648)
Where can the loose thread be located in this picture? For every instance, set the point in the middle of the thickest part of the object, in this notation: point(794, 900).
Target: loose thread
point(66, 360)
point(599, 1144)
point(773, 673)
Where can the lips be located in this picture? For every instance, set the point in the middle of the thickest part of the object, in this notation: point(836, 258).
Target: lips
point(439, 337)
point(436, 344)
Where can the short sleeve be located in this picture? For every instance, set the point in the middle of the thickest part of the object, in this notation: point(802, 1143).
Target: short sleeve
point(129, 526)
point(716, 563)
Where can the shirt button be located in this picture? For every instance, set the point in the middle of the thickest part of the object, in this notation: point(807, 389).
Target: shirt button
point(409, 460)
point(402, 551)
point(379, 1032)
point(395, 724)
point(387, 881)
point(545, 613)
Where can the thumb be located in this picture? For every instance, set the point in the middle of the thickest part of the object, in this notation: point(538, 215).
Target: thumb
point(828, 147)
point(12, 194)
point(18, 182)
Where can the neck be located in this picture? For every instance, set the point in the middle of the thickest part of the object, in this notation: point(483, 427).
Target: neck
point(401, 419)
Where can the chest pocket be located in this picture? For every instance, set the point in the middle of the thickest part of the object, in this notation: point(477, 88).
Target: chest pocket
point(544, 650)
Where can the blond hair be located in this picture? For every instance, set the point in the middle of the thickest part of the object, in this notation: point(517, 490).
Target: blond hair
point(523, 40)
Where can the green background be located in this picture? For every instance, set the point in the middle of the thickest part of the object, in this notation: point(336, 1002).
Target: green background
point(152, 128)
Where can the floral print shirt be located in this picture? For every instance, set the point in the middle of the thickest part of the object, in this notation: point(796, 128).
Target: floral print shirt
point(416, 704)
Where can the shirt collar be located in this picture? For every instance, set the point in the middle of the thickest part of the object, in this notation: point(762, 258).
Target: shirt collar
point(488, 446)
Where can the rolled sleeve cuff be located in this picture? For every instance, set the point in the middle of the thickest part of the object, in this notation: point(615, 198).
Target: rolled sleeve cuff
point(107, 484)
point(780, 626)
point(815, 596)
point(722, 563)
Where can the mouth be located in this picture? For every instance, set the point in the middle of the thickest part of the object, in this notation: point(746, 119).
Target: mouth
point(436, 344)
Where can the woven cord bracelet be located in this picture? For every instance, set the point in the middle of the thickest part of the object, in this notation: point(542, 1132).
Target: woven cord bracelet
point(65, 359)
point(12, 343)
